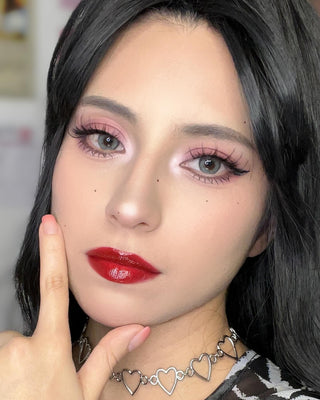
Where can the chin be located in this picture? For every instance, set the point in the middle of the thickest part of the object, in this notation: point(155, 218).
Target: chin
point(111, 315)
point(115, 315)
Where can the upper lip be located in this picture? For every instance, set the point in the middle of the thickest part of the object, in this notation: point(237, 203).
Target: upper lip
point(121, 257)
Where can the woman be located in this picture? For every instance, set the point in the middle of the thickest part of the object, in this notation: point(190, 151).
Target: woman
point(181, 163)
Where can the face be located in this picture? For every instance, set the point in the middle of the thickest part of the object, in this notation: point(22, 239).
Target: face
point(158, 161)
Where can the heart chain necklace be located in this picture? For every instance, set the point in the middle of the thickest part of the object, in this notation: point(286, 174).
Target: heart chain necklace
point(205, 359)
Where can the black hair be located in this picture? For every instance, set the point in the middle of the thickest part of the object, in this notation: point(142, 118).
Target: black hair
point(274, 301)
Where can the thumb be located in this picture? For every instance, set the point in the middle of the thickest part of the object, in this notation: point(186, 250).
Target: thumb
point(104, 357)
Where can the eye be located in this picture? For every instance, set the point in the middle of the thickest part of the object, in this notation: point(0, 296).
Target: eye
point(209, 166)
point(104, 141)
point(98, 142)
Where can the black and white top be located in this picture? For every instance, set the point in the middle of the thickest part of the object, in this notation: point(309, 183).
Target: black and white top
point(254, 377)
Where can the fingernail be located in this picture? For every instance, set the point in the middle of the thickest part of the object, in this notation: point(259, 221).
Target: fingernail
point(49, 225)
point(140, 337)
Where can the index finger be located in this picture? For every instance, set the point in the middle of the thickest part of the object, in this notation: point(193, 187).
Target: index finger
point(54, 292)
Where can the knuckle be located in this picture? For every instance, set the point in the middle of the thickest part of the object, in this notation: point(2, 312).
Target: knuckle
point(6, 336)
point(111, 359)
point(55, 352)
point(52, 246)
point(17, 348)
point(55, 282)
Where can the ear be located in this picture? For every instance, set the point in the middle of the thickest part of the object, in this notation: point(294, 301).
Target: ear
point(264, 238)
point(260, 244)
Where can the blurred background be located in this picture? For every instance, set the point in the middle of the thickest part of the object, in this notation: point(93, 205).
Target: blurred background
point(29, 30)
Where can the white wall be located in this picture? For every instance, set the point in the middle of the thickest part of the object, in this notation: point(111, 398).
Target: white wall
point(21, 132)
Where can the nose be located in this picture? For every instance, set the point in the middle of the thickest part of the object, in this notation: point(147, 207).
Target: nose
point(135, 202)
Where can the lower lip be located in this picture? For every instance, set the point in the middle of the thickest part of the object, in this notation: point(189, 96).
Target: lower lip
point(119, 273)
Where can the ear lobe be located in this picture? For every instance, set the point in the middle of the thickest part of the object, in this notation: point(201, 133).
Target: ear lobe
point(259, 245)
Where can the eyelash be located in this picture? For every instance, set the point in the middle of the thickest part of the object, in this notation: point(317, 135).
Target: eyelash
point(82, 133)
point(227, 161)
point(231, 165)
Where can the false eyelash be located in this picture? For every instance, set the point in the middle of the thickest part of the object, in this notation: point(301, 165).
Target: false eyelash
point(95, 129)
point(82, 132)
point(230, 164)
point(227, 159)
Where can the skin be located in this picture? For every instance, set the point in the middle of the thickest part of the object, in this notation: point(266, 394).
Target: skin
point(30, 367)
point(140, 198)
point(316, 5)
point(151, 199)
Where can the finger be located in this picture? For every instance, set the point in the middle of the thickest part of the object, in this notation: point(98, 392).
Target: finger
point(54, 293)
point(5, 337)
point(99, 366)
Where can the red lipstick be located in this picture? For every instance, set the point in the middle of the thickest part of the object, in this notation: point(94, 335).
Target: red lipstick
point(120, 266)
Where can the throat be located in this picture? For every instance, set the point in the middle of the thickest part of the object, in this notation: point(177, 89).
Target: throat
point(202, 371)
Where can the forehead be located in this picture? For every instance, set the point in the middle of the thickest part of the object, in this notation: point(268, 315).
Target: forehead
point(185, 67)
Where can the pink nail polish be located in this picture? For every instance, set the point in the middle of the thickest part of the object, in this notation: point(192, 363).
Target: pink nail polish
point(139, 338)
point(49, 224)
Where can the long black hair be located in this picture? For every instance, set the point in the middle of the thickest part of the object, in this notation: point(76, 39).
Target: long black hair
point(274, 301)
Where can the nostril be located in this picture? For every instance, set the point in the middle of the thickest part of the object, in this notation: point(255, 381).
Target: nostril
point(131, 214)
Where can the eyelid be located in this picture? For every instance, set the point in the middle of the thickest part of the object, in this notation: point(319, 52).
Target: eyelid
point(208, 151)
point(230, 162)
point(84, 134)
point(101, 124)
point(231, 157)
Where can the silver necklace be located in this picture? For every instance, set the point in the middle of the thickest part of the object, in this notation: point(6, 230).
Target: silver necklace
point(205, 359)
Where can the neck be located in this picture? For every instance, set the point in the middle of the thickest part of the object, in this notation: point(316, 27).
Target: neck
point(174, 343)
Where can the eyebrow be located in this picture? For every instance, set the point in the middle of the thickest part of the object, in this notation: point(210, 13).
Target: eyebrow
point(217, 131)
point(110, 105)
point(214, 130)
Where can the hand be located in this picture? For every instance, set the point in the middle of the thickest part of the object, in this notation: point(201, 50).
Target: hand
point(41, 366)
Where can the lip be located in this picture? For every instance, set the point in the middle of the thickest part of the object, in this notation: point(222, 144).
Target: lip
point(119, 266)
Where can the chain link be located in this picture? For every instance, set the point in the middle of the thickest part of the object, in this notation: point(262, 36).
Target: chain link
point(178, 374)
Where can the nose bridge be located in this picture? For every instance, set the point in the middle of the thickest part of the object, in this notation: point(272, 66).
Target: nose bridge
point(138, 185)
point(135, 201)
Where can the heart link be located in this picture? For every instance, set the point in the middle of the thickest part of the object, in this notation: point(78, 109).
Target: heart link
point(155, 379)
point(124, 380)
point(222, 342)
point(203, 356)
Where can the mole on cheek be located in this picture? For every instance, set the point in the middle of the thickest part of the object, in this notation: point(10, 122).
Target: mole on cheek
point(95, 190)
point(158, 180)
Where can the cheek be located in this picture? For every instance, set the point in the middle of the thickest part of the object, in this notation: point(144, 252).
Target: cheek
point(74, 188)
point(217, 232)
point(206, 233)
point(68, 195)
point(74, 199)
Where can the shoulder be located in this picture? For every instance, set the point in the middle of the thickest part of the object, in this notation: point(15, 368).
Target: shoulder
point(274, 383)
point(254, 377)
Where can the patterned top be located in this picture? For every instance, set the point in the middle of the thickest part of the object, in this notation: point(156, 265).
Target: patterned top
point(254, 377)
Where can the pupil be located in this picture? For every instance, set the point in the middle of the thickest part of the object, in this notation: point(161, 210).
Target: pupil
point(209, 165)
point(108, 142)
